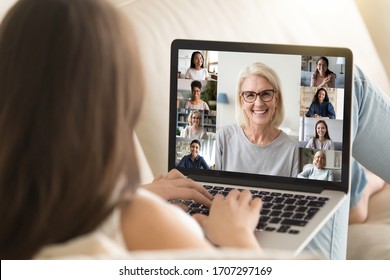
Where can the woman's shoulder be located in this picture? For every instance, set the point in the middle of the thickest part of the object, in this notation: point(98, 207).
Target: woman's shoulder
point(161, 226)
point(288, 139)
point(230, 129)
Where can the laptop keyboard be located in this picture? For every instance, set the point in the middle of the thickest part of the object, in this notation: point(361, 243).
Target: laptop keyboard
point(280, 211)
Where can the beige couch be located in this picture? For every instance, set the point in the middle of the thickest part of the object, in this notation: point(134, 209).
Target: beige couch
point(333, 23)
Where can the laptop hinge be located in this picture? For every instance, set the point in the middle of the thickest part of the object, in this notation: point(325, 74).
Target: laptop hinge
point(257, 184)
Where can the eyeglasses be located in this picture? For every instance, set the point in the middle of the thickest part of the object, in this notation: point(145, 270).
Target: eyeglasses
point(195, 118)
point(265, 95)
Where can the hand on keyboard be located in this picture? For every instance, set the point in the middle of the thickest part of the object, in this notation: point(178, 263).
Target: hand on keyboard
point(232, 219)
point(174, 185)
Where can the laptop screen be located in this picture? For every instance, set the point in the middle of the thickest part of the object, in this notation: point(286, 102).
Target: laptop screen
point(261, 113)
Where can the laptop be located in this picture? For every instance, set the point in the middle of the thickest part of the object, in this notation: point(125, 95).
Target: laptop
point(294, 209)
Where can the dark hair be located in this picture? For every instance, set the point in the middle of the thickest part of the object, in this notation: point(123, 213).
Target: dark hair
point(328, 71)
point(315, 98)
point(326, 126)
point(192, 59)
point(195, 84)
point(196, 141)
point(70, 94)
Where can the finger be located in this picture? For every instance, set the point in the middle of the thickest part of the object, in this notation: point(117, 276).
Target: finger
point(175, 174)
point(158, 177)
point(245, 197)
point(200, 218)
point(256, 204)
point(234, 193)
point(218, 197)
point(191, 194)
point(200, 189)
point(182, 206)
point(191, 184)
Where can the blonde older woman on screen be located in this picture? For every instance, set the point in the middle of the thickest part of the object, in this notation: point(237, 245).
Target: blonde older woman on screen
point(318, 170)
point(256, 144)
point(194, 130)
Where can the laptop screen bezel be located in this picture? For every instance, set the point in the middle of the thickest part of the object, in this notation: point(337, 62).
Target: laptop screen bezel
point(255, 180)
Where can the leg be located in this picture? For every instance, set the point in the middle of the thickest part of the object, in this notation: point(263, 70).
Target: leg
point(369, 148)
point(371, 128)
point(331, 241)
point(370, 106)
point(359, 211)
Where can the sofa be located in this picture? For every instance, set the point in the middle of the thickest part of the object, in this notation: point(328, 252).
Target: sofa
point(158, 22)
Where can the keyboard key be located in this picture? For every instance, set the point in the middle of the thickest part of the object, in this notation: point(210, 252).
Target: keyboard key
point(264, 219)
point(290, 208)
point(287, 214)
point(267, 198)
point(278, 207)
point(195, 211)
point(224, 193)
point(188, 202)
point(275, 220)
point(292, 222)
point(278, 200)
point(283, 229)
point(323, 198)
point(213, 192)
point(299, 216)
point(302, 209)
point(316, 203)
point(261, 226)
point(313, 210)
point(302, 202)
point(267, 205)
point(265, 212)
point(275, 194)
point(290, 201)
point(196, 205)
point(275, 213)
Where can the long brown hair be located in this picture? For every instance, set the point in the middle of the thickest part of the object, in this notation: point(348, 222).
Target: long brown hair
point(70, 94)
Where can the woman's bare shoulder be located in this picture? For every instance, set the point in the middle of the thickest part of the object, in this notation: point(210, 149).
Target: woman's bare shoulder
point(150, 223)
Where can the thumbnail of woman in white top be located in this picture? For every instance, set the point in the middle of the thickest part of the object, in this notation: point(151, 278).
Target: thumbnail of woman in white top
point(197, 71)
point(321, 139)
